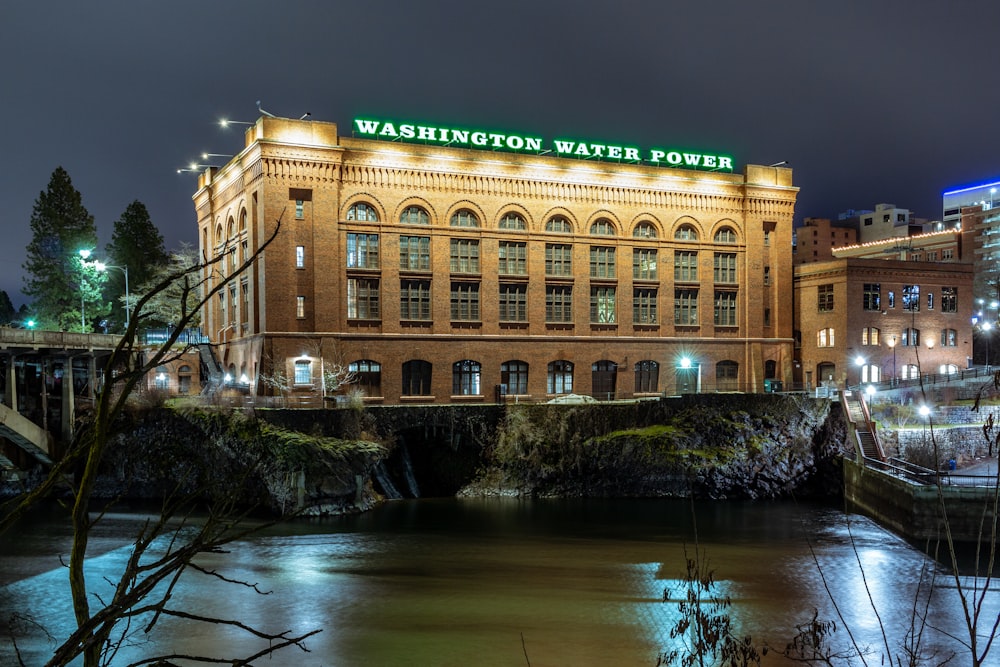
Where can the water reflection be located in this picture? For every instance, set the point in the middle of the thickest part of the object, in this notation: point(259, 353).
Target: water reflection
point(465, 582)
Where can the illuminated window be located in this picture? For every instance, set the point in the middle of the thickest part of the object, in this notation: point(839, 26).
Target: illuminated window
point(465, 378)
point(415, 253)
point(871, 373)
point(872, 296)
point(560, 377)
point(303, 371)
point(644, 264)
point(911, 298)
point(647, 376)
point(300, 257)
point(870, 336)
point(464, 218)
point(725, 235)
point(512, 221)
point(513, 302)
point(910, 372)
point(602, 305)
point(362, 298)
point(948, 369)
point(362, 211)
point(910, 337)
point(414, 215)
point(825, 338)
point(949, 337)
point(644, 230)
point(602, 227)
point(559, 225)
point(644, 306)
point(300, 307)
point(949, 299)
point(162, 378)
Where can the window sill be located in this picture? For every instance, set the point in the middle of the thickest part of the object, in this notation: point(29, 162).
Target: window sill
point(428, 398)
point(467, 398)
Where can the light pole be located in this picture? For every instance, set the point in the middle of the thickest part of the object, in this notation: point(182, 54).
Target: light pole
point(925, 412)
point(101, 266)
point(860, 362)
point(84, 256)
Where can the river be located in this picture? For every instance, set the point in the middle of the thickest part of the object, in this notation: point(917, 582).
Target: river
point(509, 582)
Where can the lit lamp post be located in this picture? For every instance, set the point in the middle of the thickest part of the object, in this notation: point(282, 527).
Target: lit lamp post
point(925, 412)
point(860, 361)
point(84, 256)
point(101, 266)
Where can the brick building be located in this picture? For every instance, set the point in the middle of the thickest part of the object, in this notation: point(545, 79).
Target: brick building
point(870, 319)
point(442, 273)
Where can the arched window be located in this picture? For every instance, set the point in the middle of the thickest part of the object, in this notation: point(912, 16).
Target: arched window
point(602, 227)
point(465, 378)
point(367, 375)
point(727, 376)
point(514, 377)
point(560, 377)
point(824, 337)
point(603, 377)
point(644, 230)
point(949, 337)
point(559, 225)
point(725, 235)
point(162, 378)
point(647, 376)
point(871, 373)
point(686, 233)
point(362, 211)
point(910, 372)
point(414, 215)
point(184, 379)
point(512, 221)
point(464, 218)
point(416, 378)
point(948, 369)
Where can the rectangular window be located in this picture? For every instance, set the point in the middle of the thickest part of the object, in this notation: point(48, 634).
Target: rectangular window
point(558, 303)
point(222, 305)
point(911, 298)
point(232, 303)
point(415, 299)
point(644, 306)
point(303, 372)
point(767, 275)
point(465, 302)
point(558, 260)
point(513, 258)
point(725, 309)
point(930, 301)
point(362, 298)
point(245, 301)
point(947, 254)
point(300, 257)
point(724, 269)
point(892, 299)
point(873, 296)
point(824, 298)
point(464, 256)
point(300, 307)
point(300, 209)
point(870, 336)
point(602, 262)
point(415, 253)
point(686, 267)
point(602, 305)
point(644, 264)
point(513, 302)
point(362, 251)
point(949, 299)
point(911, 337)
point(686, 307)
point(949, 337)
point(824, 338)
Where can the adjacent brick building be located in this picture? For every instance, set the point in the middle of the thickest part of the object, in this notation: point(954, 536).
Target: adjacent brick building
point(438, 273)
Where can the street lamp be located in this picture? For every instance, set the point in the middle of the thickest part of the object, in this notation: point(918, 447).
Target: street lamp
point(84, 256)
point(101, 266)
point(925, 412)
point(860, 361)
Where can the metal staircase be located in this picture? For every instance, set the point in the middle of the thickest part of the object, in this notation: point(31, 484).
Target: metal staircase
point(863, 428)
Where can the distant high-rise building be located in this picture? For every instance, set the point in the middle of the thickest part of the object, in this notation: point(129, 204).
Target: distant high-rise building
point(976, 210)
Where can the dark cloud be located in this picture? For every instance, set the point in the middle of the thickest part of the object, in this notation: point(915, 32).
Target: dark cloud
point(870, 102)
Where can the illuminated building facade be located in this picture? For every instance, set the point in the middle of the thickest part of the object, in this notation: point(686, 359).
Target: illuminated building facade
point(976, 210)
point(497, 266)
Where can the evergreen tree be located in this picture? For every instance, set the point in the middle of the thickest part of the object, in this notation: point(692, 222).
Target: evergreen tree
point(56, 277)
point(137, 247)
point(7, 312)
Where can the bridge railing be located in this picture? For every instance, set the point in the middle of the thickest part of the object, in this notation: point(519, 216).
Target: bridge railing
point(57, 339)
point(921, 475)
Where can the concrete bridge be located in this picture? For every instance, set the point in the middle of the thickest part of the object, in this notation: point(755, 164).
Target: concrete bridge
point(45, 376)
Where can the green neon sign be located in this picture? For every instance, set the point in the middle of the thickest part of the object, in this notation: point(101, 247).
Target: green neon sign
point(524, 143)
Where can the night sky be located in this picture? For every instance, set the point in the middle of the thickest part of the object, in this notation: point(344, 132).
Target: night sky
point(869, 102)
